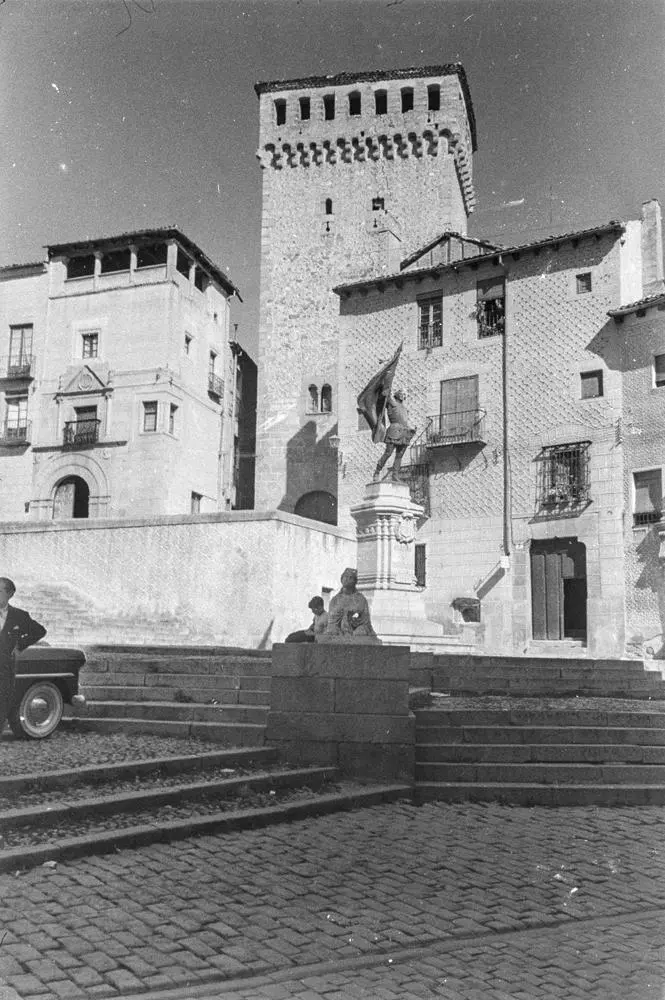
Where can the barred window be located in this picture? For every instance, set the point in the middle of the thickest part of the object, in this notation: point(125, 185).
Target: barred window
point(430, 329)
point(564, 475)
point(583, 283)
point(648, 494)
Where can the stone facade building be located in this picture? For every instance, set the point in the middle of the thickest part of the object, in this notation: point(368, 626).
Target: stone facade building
point(119, 383)
point(518, 374)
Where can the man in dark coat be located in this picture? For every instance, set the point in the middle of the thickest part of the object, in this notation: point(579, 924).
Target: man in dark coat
point(17, 631)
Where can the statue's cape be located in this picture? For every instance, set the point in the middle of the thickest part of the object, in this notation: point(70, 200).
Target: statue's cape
point(373, 400)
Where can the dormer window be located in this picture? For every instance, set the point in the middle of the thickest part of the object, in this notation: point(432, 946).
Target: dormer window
point(354, 103)
point(407, 99)
point(115, 260)
point(280, 112)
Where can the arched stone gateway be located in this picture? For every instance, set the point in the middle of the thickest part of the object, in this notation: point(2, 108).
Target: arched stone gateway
point(74, 488)
point(318, 506)
point(71, 498)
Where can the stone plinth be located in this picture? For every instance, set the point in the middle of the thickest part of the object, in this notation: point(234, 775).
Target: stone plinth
point(345, 705)
point(386, 522)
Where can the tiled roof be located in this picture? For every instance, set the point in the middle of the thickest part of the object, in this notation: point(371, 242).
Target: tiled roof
point(412, 258)
point(166, 233)
point(371, 76)
point(651, 300)
point(609, 227)
point(33, 264)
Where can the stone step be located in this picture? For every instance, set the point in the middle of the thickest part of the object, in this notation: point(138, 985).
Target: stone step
point(169, 711)
point(456, 662)
point(642, 691)
point(628, 668)
point(555, 735)
point(180, 694)
point(526, 794)
point(543, 774)
point(214, 682)
point(585, 717)
point(538, 753)
point(150, 663)
point(226, 733)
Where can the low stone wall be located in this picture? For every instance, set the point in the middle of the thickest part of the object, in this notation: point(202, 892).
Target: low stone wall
point(245, 577)
point(343, 705)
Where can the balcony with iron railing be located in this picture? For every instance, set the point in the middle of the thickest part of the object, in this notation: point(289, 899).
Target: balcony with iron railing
point(80, 433)
point(17, 366)
point(216, 386)
point(430, 335)
point(13, 435)
point(459, 427)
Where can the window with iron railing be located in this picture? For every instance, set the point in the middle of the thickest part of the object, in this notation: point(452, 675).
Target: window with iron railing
point(430, 326)
point(563, 475)
point(648, 497)
point(81, 433)
point(491, 307)
point(16, 426)
point(20, 350)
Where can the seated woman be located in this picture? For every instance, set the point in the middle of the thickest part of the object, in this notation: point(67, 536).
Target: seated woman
point(348, 614)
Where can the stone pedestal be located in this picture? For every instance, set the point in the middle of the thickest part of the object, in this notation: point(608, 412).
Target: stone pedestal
point(386, 523)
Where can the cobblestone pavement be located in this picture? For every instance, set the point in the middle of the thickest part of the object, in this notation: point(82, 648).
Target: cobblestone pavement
point(468, 901)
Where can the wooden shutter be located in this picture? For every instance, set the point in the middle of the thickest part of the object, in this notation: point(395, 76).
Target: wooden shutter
point(648, 491)
point(459, 395)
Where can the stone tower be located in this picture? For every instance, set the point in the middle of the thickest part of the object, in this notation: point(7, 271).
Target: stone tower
point(359, 170)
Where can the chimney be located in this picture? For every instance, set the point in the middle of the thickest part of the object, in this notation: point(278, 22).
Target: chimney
point(652, 248)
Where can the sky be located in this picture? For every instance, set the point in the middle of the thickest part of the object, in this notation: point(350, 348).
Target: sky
point(128, 114)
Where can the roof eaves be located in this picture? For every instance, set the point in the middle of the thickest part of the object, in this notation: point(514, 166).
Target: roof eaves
point(658, 299)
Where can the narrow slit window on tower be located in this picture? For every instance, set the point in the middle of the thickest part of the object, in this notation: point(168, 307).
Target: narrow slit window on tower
point(407, 98)
point(355, 105)
point(329, 210)
point(378, 204)
point(304, 109)
point(381, 102)
point(280, 112)
point(434, 97)
point(329, 107)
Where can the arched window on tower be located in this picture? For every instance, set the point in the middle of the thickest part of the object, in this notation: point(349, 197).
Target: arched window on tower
point(326, 399)
point(313, 399)
point(329, 210)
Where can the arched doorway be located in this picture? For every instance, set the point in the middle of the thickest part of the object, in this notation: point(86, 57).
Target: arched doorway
point(71, 498)
point(318, 506)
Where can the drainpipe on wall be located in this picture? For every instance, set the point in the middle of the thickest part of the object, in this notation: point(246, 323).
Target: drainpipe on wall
point(507, 486)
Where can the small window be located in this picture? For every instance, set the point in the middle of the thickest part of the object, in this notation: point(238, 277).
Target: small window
point(326, 399)
point(659, 370)
point(20, 349)
point(201, 279)
point(280, 112)
point(430, 328)
point(420, 568)
point(355, 105)
point(188, 343)
point(434, 97)
point(173, 409)
point(212, 362)
point(583, 283)
point(195, 503)
point(313, 399)
point(151, 255)
point(592, 384)
point(115, 260)
point(407, 98)
point(329, 206)
point(150, 416)
point(81, 267)
point(329, 107)
point(648, 497)
point(490, 307)
point(183, 263)
point(381, 102)
point(305, 109)
point(378, 204)
point(90, 344)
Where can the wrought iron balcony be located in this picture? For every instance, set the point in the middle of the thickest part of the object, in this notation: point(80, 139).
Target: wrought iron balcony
point(460, 427)
point(81, 433)
point(216, 386)
point(430, 335)
point(15, 435)
point(18, 366)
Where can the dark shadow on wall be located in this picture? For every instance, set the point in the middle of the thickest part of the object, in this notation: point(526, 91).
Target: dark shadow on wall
point(311, 467)
point(607, 344)
point(650, 578)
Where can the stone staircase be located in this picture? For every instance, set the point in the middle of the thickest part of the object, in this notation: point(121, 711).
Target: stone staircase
point(218, 693)
point(73, 618)
point(542, 732)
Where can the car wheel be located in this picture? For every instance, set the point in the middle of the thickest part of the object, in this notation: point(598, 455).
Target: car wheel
point(38, 713)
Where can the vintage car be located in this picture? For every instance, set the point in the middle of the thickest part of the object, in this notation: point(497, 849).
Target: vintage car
point(46, 677)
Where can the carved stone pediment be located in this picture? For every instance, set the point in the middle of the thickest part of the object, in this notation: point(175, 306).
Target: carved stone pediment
point(83, 378)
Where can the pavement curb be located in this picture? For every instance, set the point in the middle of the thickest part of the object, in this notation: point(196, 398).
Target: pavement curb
point(141, 836)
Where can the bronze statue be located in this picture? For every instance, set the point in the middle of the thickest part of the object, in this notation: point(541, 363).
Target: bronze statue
point(348, 614)
point(376, 402)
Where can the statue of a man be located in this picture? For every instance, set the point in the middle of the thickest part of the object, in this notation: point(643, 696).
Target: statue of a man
point(348, 614)
point(398, 435)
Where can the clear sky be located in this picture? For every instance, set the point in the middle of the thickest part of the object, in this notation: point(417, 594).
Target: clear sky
point(130, 114)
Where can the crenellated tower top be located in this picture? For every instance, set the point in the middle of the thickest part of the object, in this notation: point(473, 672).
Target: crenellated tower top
point(360, 117)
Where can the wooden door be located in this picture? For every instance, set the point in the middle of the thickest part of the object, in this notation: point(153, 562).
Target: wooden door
point(558, 589)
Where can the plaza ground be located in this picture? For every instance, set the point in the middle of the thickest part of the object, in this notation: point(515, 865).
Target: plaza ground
point(454, 901)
